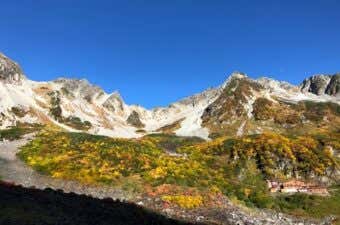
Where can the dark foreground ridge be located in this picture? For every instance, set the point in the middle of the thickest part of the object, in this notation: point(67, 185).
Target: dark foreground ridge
point(27, 206)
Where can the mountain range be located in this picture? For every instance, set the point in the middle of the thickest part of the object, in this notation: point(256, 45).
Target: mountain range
point(239, 106)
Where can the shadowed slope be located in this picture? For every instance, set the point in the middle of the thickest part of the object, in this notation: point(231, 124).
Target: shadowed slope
point(30, 206)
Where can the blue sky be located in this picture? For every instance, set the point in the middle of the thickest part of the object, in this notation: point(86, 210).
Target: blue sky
point(155, 52)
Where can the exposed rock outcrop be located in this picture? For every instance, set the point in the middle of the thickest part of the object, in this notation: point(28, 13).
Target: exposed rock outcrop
point(233, 104)
point(114, 103)
point(333, 87)
point(322, 84)
point(80, 88)
point(134, 120)
point(10, 71)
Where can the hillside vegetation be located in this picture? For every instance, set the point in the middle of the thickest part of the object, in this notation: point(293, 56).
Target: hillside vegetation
point(236, 167)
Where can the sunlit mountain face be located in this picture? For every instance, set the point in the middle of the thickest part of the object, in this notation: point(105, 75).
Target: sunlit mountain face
point(250, 151)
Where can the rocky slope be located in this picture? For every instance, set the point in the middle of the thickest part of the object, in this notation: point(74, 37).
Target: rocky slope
point(77, 105)
point(322, 85)
point(10, 72)
point(247, 106)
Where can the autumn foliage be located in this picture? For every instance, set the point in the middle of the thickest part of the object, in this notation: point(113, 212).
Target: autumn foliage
point(233, 167)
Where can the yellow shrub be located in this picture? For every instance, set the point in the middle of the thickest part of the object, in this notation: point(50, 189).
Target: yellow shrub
point(247, 192)
point(57, 175)
point(184, 201)
point(158, 173)
point(214, 189)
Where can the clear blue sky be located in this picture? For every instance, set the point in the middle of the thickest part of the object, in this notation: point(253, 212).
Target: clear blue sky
point(155, 52)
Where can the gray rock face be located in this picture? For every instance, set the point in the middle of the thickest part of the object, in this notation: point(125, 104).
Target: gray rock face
point(333, 87)
point(10, 71)
point(134, 120)
point(80, 88)
point(204, 96)
point(322, 84)
point(114, 103)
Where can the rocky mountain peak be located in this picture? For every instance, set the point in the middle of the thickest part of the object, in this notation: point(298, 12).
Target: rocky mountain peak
point(134, 120)
point(80, 88)
point(322, 84)
point(10, 71)
point(333, 87)
point(233, 76)
point(114, 102)
point(238, 75)
point(73, 84)
point(205, 96)
point(275, 85)
point(116, 95)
